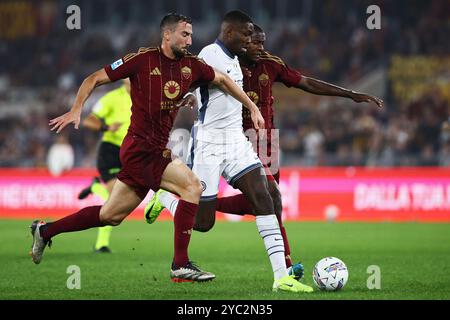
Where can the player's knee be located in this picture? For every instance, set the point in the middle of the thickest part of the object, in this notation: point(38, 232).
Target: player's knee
point(262, 201)
point(261, 194)
point(193, 188)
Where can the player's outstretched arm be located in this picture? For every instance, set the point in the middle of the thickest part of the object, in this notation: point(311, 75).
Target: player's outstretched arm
point(224, 83)
point(323, 88)
point(73, 116)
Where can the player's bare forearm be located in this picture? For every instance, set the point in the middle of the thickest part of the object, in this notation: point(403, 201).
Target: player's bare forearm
point(73, 116)
point(323, 88)
point(94, 80)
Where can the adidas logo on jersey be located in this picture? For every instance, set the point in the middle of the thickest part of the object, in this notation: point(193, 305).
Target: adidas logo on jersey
point(155, 72)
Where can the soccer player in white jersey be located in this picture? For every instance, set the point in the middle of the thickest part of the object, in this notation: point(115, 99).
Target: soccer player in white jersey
point(219, 147)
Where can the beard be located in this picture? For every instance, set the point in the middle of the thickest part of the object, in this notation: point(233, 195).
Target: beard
point(179, 52)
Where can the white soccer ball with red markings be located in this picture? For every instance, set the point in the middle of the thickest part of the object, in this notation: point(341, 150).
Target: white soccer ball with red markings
point(330, 274)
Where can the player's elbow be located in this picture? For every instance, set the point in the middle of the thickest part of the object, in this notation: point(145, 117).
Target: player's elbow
point(90, 79)
point(304, 83)
point(220, 79)
point(97, 78)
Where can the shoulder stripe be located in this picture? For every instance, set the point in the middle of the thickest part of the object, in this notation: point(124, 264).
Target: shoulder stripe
point(128, 56)
point(270, 57)
point(281, 62)
point(266, 53)
point(190, 55)
point(193, 56)
point(140, 51)
point(146, 49)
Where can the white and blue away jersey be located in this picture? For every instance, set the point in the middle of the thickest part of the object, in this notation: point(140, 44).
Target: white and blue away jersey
point(220, 115)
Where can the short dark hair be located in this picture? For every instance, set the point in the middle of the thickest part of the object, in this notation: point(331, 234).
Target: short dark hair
point(236, 16)
point(257, 29)
point(172, 19)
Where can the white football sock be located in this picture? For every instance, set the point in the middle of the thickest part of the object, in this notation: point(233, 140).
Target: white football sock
point(273, 240)
point(169, 201)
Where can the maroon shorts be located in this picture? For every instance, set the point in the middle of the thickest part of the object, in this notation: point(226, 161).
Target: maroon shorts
point(142, 165)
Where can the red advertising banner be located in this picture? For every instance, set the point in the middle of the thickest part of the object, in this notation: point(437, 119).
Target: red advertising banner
point(367, 194)
point(341, 194)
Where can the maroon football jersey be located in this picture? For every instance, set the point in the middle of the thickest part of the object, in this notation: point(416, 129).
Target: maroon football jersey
point(157, 84)
point(258, 86)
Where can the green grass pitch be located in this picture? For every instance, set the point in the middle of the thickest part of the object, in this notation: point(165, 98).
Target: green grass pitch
point(414, 260)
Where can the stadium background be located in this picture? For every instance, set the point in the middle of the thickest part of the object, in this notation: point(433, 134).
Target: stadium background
point(382, 176)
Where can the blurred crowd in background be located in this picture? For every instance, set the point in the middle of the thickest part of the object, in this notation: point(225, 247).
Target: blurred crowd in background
point(43, 63)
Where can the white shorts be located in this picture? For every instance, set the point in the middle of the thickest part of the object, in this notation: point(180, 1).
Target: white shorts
point(209, 161)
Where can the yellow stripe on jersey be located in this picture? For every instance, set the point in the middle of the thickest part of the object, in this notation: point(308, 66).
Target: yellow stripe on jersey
point(140, 51)
point(267, 54)
point(190, 55)
point(270, 57)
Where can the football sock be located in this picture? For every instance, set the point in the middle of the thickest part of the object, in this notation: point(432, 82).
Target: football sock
point(270, 232)
point(287, 249)
point(86, 218)
point(103, 236)
point(104, 233)
point(100, 190)
point(169, 201)
point(184, 222)
point(237, 204)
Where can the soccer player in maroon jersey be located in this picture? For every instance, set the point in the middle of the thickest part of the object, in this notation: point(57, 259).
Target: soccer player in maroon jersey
point(262, 70)
point(159, 78)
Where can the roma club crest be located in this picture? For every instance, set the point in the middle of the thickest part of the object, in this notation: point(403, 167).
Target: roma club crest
point(186, 72)
point(263, 79)
point(171, 89)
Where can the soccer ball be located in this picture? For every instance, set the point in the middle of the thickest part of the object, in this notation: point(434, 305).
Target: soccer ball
point(330, 274)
